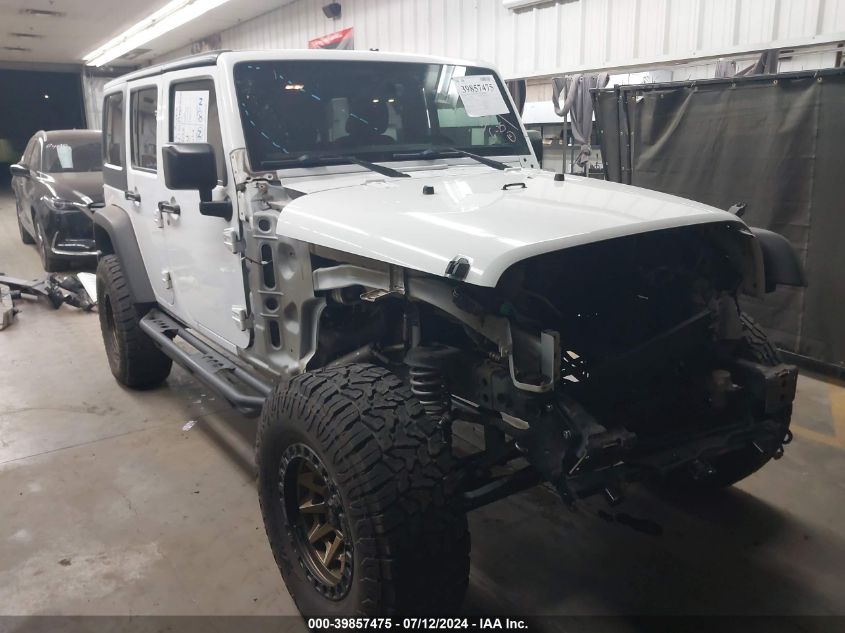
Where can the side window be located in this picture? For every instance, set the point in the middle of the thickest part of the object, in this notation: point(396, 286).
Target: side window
point(113, 130)
point(143, 107)
point(194, 118)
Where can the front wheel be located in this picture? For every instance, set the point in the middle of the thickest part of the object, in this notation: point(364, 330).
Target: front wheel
point(352, 481)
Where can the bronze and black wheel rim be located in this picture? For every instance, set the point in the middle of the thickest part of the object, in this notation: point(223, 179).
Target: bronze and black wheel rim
point(317, 521)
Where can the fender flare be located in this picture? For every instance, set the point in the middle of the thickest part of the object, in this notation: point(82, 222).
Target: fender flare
point(115, 234)
point(781, 265)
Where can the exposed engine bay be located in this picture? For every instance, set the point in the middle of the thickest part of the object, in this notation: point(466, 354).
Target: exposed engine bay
point(630, 357)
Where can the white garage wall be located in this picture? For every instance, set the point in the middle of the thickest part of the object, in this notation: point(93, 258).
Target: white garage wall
point(555, 37)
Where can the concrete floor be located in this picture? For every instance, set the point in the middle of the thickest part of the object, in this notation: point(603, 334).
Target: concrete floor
point(110, 506)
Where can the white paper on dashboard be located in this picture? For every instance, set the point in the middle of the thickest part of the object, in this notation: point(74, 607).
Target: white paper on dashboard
point(480, 95)
point(190, 116)
point(65, 154)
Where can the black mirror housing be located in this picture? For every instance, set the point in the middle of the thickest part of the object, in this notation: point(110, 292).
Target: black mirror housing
point(190, 167)
point(19, 170)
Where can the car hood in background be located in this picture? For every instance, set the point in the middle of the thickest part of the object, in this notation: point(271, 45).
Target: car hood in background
point(81, 186)
point(487, 216)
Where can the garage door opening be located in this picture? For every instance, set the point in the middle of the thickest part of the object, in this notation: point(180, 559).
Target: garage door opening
point(32, 101)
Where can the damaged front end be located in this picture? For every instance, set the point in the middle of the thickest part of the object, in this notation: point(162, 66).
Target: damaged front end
point(631, 359)
point(587, 367)
point(598, 365)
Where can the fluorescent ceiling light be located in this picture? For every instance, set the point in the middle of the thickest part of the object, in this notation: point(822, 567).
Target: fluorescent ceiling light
point(171, 16)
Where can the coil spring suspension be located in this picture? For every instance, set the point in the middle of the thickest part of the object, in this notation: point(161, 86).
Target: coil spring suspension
point(428, 386)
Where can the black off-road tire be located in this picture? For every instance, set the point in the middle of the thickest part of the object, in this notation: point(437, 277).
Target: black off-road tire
point(737, 465)
point(133, 358)
point(386, 466)
point(26, 238)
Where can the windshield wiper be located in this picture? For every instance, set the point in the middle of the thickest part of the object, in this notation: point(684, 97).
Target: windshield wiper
point(445, 152)
point(306, 160)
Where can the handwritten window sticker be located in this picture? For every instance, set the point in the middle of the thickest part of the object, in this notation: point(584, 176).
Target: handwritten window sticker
point(480, 95)
point(190, 116)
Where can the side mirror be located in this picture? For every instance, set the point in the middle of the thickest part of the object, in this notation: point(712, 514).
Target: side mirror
point(192, 167)
point(19, 170)
point(536, 140)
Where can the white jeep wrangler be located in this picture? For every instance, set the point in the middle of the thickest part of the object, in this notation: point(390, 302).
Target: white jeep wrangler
point(361, 248)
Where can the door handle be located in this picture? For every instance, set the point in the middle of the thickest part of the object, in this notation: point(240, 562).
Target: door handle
point(167, 207)
point(134, 196)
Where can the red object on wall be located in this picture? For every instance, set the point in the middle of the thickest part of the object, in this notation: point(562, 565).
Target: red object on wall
point(339, 40)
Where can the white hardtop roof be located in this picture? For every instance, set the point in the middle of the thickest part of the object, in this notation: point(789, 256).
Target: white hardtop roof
point(230, 58)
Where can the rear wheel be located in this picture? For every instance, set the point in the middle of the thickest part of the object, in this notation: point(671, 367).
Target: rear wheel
point(733, 467)
point(133, 358)
point(353, 489)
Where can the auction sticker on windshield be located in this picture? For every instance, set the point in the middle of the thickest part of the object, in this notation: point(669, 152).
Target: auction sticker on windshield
point(480, 95)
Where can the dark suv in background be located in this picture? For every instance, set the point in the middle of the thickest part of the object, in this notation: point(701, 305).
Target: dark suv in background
point(59, 175)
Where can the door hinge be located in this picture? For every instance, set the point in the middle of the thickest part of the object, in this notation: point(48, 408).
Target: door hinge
point(241, 317)
point(167, 279)
point(232, 242)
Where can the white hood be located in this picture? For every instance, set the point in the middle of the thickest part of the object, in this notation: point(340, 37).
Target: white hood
point(471, 215)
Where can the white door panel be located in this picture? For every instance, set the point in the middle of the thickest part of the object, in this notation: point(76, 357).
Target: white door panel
point(207, 276)
point(208, 279)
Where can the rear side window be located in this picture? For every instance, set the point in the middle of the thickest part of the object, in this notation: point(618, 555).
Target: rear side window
point(194, 118)
point(143, 107)
point(113, 130)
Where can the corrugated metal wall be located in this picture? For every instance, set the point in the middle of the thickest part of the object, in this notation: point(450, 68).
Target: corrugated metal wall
point(554, 37)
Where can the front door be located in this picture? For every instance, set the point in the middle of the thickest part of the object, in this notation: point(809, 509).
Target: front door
point(207, 277)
